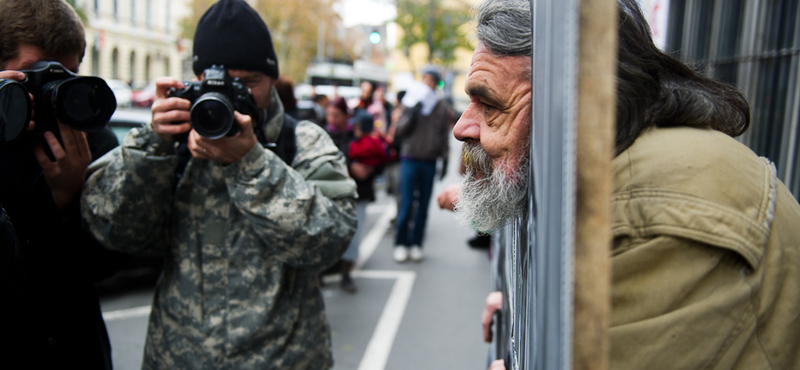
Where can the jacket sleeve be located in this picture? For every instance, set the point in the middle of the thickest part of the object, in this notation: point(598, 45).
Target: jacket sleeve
point(304, 214)
point(127, 198)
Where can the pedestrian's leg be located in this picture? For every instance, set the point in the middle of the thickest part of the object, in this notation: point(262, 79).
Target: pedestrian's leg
point(406, 201)
point(401, 239)
point(425, 176)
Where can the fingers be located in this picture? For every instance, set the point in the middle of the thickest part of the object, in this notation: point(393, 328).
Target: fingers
point(170, 117)
point(497, 365)
point(74, 142)
point(163, 84)
point(245, 122)
point(486, 322)
point(495, 300)
point(198, 146)
point(12, 75)
point(66, 172)
point(494, 303)
point(44, 161)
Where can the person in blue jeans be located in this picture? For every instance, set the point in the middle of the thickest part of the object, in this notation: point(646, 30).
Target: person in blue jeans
point(423, 129)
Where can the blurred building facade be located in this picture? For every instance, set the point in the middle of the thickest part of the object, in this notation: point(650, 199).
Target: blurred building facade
point(135, 40)
point(754, 45)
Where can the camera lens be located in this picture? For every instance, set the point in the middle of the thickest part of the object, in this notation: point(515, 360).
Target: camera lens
point(15, 110)
point(79, 102)
point(84, 103)
point(212, 115)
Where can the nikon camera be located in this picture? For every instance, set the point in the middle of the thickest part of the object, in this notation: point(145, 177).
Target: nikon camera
point(214, 99)
point(84, 103)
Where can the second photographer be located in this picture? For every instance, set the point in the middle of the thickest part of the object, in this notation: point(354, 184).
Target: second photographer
point(247, 217)
point(50, 311)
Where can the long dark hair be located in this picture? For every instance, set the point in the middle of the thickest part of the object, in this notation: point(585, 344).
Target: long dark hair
point(655, 89)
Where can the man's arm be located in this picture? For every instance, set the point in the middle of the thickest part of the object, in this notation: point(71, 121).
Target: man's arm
point(127, 197)
point(305, 214)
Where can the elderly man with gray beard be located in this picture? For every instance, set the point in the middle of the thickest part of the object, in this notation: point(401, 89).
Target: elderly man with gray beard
point(706, 248)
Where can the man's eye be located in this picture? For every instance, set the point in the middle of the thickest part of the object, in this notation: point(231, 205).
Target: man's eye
point(488, 109)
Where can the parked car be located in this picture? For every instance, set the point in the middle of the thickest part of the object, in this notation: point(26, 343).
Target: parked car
point(125, 119)
point(143, 97)
point(122, 91)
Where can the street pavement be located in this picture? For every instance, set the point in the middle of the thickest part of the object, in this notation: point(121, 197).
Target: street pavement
point(422, 315)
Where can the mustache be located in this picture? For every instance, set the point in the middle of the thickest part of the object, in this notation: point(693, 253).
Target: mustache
point(476, 159)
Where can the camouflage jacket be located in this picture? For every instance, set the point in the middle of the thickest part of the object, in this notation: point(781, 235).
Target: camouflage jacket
point(243, 242)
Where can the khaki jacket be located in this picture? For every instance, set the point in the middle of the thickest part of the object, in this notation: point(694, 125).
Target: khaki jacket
point(706, 256)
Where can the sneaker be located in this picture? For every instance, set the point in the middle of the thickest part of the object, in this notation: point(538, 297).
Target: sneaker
point(348, 285)
point(416, 253)
point(480, 241)
point(400, 253)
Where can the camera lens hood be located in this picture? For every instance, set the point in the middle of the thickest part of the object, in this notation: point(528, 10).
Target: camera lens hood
point(83, 103)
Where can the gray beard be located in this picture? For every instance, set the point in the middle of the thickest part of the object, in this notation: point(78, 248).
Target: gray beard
point(488, 203)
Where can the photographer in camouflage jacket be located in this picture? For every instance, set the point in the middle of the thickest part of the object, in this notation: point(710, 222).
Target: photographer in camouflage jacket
point(247, 220)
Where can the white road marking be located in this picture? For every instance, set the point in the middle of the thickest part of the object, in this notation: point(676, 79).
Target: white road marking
point(128, 313)
point(380, 345)
point(373, 238)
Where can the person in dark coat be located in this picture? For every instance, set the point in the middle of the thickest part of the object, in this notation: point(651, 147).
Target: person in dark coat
point(53, 313)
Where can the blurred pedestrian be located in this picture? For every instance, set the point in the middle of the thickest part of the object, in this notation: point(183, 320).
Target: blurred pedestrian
point(247, 220)
point(285, 88)
point(367, 154)
point(392, 169)
point(52, 315)
point(381, 110)
point(424, 131)
point(365, 100)
point(338, 124)
point(340, 129)
point(320, 106)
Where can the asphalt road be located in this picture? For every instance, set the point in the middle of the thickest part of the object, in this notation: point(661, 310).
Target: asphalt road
point(404, 316)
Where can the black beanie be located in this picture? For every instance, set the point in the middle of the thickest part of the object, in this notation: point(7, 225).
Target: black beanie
point(233, 35)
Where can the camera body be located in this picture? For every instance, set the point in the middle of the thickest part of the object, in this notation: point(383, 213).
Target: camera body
point(214, 99)
point(84, 103)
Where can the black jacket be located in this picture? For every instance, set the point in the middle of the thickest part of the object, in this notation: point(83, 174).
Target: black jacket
point(54, 318)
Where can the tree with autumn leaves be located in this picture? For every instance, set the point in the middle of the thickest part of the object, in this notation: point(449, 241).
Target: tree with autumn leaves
point(439, 24)
point(297, 25)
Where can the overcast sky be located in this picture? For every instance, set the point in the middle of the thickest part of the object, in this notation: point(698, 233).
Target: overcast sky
point(369, 12)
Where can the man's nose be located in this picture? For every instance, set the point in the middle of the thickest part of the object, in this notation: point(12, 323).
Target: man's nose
point(467, 127)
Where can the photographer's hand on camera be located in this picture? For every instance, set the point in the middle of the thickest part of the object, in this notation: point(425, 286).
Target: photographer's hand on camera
point(170, 114)
point(66, 174)
point(228, 149)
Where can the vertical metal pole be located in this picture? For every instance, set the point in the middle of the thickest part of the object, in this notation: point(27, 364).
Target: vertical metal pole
point(552, 226)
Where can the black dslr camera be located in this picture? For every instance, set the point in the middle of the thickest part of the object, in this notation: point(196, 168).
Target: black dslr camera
point(81, 102)
point(213, 101)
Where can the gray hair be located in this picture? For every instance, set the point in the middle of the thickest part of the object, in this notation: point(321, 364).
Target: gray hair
point(504, 26)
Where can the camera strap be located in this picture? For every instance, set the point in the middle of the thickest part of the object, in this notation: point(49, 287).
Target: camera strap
point(286, 147)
